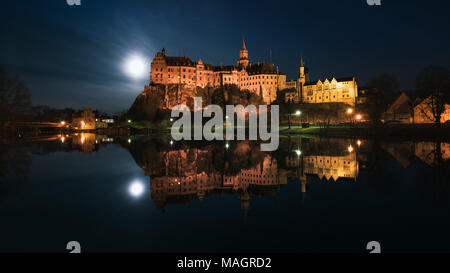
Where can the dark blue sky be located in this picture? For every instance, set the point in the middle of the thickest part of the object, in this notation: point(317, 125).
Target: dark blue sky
point(73, 56)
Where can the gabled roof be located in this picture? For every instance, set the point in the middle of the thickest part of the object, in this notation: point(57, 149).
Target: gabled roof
point(178, 61)
point(223, 68)
point(262, 68)
point(345, 79)
point(401, 104)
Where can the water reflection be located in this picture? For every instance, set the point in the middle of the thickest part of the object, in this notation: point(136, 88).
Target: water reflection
point(182, 171)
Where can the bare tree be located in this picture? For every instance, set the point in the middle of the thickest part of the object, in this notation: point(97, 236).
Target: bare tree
point(385, 88)
point(14, 98)
point(433, 85)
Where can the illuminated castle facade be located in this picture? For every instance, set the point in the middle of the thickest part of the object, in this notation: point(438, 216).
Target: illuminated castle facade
point(262, 79)
point(344, 90)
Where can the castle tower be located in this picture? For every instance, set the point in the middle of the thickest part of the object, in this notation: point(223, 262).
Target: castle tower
point(243, 55)
point(302, 76)
point(301, 80)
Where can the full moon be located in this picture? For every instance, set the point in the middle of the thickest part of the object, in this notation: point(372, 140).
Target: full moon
point(136, 189)
point(135, 67)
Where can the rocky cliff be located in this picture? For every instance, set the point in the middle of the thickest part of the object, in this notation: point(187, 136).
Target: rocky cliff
point(158, 98)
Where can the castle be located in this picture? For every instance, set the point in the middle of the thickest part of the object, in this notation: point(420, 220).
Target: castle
point(263, 79)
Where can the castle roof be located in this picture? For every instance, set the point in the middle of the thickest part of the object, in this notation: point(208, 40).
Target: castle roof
point(243, 45)
point(345, 79)
point(178, 61)
point(262, 68)
point(224, 68)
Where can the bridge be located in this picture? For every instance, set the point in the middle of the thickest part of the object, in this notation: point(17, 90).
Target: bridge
point(42, 124)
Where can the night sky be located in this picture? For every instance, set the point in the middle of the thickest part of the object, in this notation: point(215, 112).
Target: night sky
point(73, 56)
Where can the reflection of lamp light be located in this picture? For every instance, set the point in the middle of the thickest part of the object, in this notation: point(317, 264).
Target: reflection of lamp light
point(298, 152)
point(129, 140)
point(226, 145)
point(63, 139)
point(350, 149)
point(82, 138)
point(136, 189)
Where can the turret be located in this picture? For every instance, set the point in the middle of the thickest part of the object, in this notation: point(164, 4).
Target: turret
point(243, 55)
point(302, 71)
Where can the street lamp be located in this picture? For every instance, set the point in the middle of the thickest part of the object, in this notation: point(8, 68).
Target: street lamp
point(297, 113)
point(349, 110)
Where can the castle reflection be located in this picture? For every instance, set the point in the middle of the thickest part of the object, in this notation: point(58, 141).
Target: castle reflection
point(180, 172)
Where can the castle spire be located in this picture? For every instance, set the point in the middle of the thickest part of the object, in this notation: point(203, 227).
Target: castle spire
point(301, 62)
point(243, 55)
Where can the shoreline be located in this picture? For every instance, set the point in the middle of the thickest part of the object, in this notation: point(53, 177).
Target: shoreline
point(398, 131)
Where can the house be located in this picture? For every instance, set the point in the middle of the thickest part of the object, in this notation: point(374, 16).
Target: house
point(84, 119)
point(423, 112)
point(400, 110)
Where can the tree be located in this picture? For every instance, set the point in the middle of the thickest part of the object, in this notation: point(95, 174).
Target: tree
point(205, 93)
point(433, 85)
point(14, 98)
point(219, 97)
point(384, 90)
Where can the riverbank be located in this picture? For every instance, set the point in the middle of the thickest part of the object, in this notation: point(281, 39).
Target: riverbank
point(397, 131)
